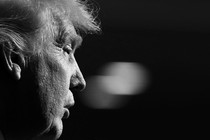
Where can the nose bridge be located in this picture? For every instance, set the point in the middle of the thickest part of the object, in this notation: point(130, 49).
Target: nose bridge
point(81, 83)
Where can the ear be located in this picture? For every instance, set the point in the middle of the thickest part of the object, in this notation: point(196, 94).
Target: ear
point(14, 62)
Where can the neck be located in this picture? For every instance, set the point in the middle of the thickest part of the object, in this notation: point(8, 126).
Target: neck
point(1, 136)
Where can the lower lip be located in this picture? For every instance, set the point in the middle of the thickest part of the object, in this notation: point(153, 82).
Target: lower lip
point(66, 113)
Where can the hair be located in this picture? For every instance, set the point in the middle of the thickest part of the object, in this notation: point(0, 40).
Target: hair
point(24, 20)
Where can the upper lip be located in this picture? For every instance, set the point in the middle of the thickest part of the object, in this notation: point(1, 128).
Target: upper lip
point(67, 106)
point(69, 103)
point(66, 110)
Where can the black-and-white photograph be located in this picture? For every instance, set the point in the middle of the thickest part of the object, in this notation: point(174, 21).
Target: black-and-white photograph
point(104, 69)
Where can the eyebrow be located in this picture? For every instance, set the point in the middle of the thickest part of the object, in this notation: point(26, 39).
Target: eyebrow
point(73, 38)
point(77, 40)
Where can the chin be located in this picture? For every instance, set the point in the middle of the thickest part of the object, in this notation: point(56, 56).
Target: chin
point(53, 132)
point(57, 127)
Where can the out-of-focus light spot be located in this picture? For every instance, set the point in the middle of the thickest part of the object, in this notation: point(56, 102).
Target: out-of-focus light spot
point(125, 78)
point(112, 89)
point(96, 97)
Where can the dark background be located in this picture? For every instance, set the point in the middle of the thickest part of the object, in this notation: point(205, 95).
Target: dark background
point(171, 39)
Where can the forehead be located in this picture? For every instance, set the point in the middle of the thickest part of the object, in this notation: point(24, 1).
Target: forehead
point(52, 23)
point(61, 23)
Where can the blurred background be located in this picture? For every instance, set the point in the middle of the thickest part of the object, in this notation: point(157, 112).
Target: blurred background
point(147, 73)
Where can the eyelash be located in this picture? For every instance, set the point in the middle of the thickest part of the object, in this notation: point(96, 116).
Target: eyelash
point(68, 48)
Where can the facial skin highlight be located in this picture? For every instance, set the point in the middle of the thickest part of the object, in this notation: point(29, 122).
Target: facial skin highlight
point(58, 74)
point(39, 72)
point(55, 75)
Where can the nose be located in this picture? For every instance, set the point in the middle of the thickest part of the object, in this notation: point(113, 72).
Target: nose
point(77, 82)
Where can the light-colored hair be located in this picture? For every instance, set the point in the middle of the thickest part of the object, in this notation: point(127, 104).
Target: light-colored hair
point(17, 27)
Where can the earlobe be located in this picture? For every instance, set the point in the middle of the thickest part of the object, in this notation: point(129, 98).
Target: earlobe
point(16, 70)
point(13, 66)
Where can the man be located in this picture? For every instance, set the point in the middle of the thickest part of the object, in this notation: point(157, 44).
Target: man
point(38, 71)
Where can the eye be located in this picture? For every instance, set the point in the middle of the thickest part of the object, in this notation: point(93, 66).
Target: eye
point(59, 42)
point(68, 48)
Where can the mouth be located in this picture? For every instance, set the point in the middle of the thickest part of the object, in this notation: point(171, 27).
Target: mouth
point(66, 113)
point(66, 110)
point(69, 103)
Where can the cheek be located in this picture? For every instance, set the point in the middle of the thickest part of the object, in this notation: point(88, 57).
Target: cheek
point(54, 81)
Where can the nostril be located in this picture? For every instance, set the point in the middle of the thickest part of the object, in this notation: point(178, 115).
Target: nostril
point(77, 82)
point(83, 85)
point(78, 85)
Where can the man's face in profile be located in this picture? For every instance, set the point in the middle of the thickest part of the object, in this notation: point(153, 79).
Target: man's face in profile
point(41, 73)
point(57, 76)
point(49, 81)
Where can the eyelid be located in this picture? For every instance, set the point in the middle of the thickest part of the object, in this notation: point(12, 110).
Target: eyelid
point(68, 48)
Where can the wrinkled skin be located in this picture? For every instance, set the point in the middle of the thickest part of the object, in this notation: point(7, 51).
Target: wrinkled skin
point(33, 106)
point(58, 74)
point(42, 94)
